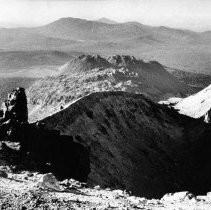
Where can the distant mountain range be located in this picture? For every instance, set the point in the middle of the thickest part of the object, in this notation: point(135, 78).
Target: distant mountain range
point(81, 30)
point(181, 49)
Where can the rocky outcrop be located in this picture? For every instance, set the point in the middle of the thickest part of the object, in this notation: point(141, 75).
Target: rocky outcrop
point(123, 60)
point(84, 63)
point(14, 113)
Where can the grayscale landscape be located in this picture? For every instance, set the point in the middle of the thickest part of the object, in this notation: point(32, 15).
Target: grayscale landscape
point(104, 111)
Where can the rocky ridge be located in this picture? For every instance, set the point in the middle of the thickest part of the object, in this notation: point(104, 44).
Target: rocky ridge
point(136, 144)
point(86, 74)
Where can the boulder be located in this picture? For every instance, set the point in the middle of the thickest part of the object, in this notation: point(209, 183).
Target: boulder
point(49, 181)
point(178, 196)
point(209, 195)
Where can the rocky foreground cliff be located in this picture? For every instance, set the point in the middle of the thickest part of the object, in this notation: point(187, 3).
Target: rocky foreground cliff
point(116, 140)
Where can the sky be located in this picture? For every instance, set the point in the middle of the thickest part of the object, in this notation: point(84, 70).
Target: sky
point(189, 14)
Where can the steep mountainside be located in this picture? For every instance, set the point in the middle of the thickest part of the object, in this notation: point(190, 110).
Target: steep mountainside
point(86, 74)
point(136, 144)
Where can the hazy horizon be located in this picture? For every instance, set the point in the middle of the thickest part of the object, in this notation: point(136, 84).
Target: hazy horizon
point(185, 14)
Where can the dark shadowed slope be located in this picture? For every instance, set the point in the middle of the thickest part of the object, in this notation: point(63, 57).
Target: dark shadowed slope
point(136, 144)
point(86, 74)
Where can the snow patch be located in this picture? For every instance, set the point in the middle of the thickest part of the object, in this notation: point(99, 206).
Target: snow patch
point(196, 105)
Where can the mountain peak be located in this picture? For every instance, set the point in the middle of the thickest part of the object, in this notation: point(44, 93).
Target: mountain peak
point(66, 21)
point(84, 63)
